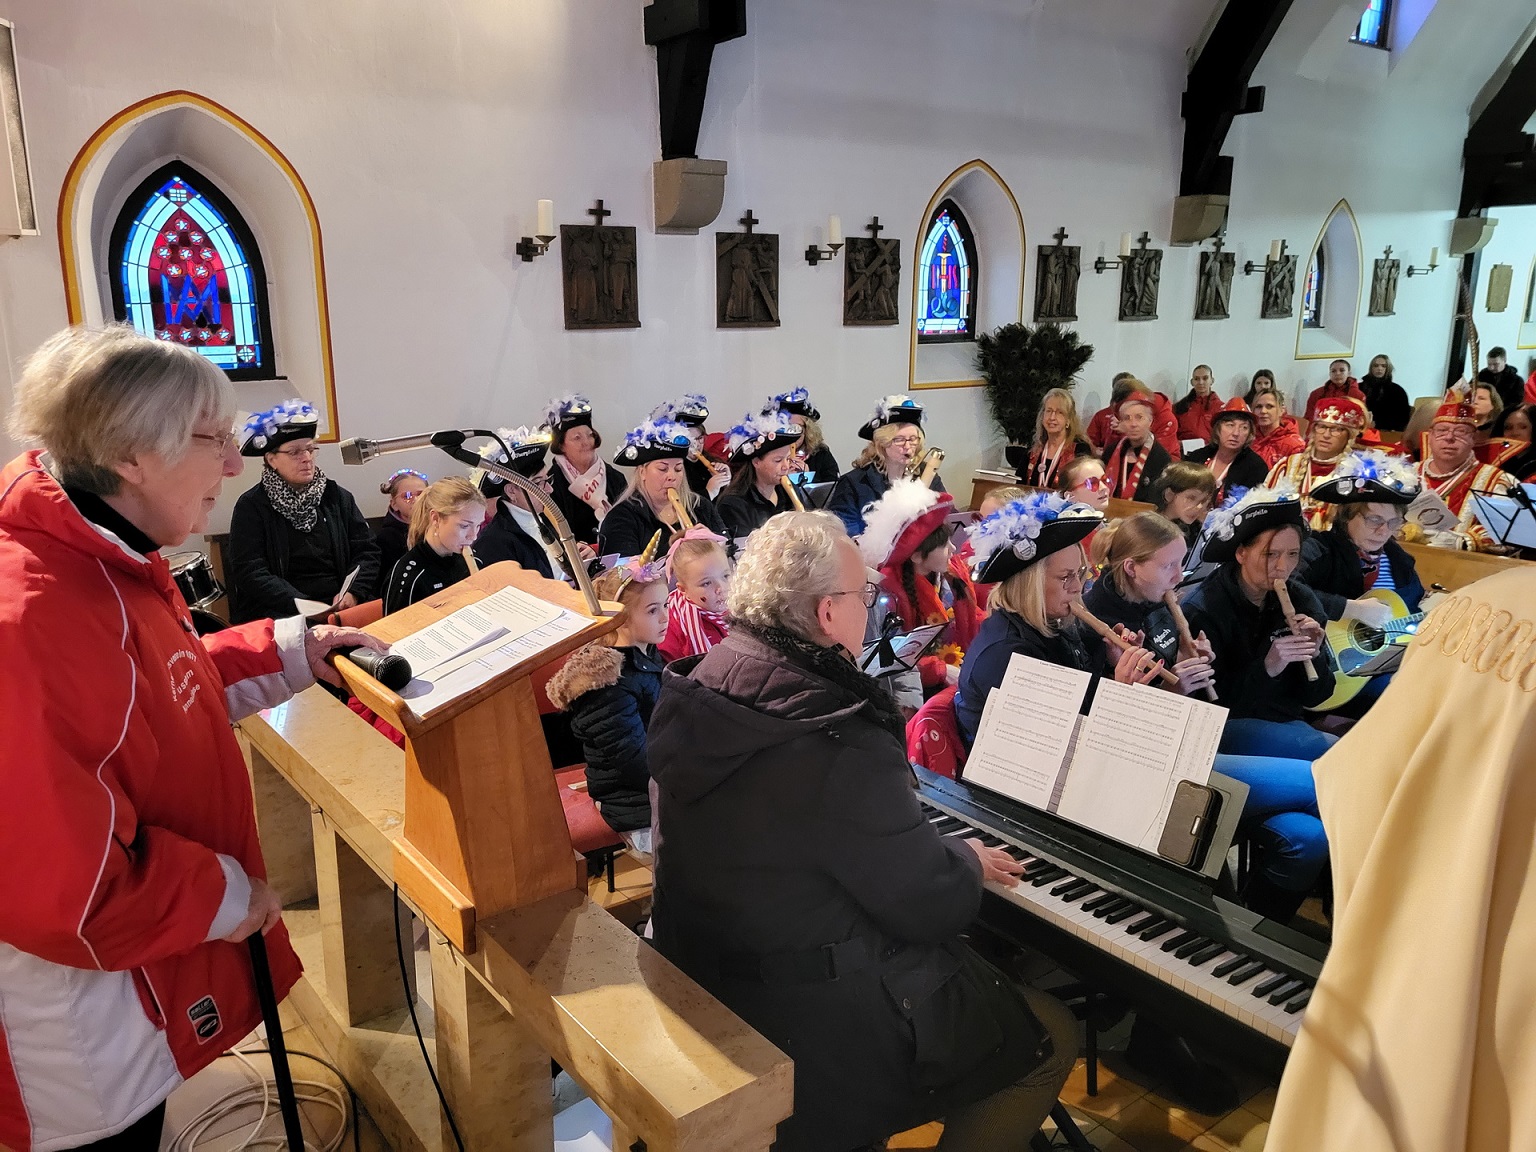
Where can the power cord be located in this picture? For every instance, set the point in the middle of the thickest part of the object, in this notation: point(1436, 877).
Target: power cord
point(261, 1095)
point(410, 1003)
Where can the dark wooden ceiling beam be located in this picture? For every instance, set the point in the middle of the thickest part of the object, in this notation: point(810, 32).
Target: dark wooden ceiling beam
point(1218, 91)
point(684, 34)
point(1499, 158)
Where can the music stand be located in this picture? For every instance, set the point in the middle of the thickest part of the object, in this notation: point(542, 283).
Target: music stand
point(1509, 516)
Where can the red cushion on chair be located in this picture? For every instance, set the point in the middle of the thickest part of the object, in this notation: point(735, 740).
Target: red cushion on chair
point(358, 616)
point(589, 831)
point(933, 736)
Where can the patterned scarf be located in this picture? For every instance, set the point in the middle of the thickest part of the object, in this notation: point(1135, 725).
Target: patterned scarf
point(700, 629)
point(1127, 480)
point(831, 665)
point(299, 506)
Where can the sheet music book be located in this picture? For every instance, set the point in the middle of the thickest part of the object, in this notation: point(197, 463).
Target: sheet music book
point(457, 654)
point(906, 647)
point(1430, 512)
point(1114, 770)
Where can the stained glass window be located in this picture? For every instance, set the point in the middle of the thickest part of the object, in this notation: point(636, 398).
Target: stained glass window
point(1372, 29)
point(186, 268)
point(946, 278)
point(1312, 292)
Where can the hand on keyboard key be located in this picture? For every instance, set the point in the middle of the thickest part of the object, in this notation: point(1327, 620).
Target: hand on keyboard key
point(997, 867)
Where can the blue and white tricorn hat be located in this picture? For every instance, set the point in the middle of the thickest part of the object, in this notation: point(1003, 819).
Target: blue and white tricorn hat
point(528, 447)
point(796, 402)
point(1239, 520)
point(896, 409)
point(654, 440)
point(691, 409)
point(1024, 531)
point(756, 435)
point(1369, 476)
point(566, 412)
point(268, 431)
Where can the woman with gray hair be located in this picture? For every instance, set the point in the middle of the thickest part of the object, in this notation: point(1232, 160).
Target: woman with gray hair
point(132, 871)
point(801, 884)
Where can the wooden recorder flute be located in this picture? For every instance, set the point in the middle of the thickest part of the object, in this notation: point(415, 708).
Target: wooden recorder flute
point(683, 521)
point(1186, 638)
point(469, 558)
point(794, 497)
point(1284, 595)
point(1116, 639)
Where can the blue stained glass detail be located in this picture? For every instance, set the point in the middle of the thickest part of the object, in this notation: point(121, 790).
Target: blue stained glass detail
point(946, 269)
point(1372, 29)
point(188, 272)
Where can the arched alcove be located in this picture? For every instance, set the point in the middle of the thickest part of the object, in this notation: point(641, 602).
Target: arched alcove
point(998, 228)
point(1339, 311)
point(272, 199)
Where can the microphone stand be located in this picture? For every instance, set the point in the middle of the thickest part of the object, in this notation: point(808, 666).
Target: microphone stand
point(451, 441)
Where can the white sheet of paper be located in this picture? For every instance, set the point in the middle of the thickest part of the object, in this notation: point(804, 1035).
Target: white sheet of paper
point(457, 677)
point(346, 585)
point(1136, 746)
point(448, 638)
point(1431, 513)
point(1026, 730)
point(309, 609)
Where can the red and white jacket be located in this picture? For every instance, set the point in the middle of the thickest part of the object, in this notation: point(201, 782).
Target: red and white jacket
point(127, 833)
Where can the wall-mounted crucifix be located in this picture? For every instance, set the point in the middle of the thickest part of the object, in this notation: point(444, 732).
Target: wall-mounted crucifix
point(1057, 269)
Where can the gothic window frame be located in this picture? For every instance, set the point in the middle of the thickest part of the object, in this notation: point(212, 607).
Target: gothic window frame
point(1380, 37)
point(208, 190)
point(961, 227)
point(1312, 316)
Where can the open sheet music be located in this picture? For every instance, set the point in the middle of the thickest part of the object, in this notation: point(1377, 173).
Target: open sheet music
point(1114, 770)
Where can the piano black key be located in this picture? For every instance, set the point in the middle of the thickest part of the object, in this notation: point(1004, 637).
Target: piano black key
point(1125, 913)
point(1282, 994)
point(1246, 972)
point(1300, 1002)
point(1189, 948)
point(1179, 941)
point(947, 824)
point(1209, 952)
point(1048, 876)
point(1018, 854)
point(1266, 986)
point(1039, 866)
point(1146, 921)
point(991, 841)
point(1068, 890)
point(1161, 928)
point(1114, 906)
point(1226, 967)
point(1100, 900)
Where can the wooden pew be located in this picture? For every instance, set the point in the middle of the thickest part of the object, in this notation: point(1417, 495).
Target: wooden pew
point(514, 985)
point(985, 481)
point(1452, 569)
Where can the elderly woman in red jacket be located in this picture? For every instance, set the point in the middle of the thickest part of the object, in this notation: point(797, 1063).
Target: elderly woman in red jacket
point(132, 872)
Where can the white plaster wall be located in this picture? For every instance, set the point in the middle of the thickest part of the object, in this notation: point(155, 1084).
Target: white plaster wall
point(425, 133)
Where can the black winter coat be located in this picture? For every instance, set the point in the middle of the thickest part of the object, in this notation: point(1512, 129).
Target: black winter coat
point(822, 466)
point(630, 524)
point(1330, 566)
point(1387, 403)
point(857, 489)
point(1154, 620)
point(504, 539)
point(1247, 470)
point(577, 512)
point(261, 543)
point(1001, 635)
point(391, 537)
point(1240, 633)
point(794, 850)
point(746, 513)
point(420, 573)
point(610, 693)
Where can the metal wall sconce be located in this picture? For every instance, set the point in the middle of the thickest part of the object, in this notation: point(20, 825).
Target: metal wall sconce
point(1434, 262)
point(530, 246)
point(1276, 254)
point(1102, 265)
point(815, 255)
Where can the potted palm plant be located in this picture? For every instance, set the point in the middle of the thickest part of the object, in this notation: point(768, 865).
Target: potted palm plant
point(1020, 364)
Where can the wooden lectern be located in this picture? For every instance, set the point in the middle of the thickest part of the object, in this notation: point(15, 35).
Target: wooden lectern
point(484, 829)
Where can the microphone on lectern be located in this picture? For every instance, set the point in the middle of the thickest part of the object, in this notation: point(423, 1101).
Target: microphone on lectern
point(392, 671)
point(358, 449)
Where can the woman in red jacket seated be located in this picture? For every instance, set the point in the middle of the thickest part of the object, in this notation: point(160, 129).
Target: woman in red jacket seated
point(132, 873)
point(1275, 436)
point(906, 538)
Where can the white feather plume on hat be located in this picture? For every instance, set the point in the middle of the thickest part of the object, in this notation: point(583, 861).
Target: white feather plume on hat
point(887, 518)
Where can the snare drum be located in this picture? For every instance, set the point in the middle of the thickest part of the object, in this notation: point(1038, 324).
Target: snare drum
point(194, 576)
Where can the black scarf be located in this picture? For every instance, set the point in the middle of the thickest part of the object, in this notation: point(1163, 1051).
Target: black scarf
point(831, 665)
point(299, 506)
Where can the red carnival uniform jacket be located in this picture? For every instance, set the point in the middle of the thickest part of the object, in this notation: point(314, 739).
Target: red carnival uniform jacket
point(127, 833)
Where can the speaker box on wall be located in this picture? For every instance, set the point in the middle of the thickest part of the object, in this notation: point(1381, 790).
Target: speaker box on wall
point(18, 209)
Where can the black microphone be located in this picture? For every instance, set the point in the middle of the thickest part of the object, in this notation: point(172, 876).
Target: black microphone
point(389, 670)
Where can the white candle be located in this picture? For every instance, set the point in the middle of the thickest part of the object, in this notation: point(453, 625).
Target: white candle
point(1276, 247)
point(834, 230)
point(1434, 256)
point(546, 218)
point(1125, 243)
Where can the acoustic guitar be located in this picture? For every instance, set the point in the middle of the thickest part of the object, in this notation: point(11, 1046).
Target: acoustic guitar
point(1351, 643)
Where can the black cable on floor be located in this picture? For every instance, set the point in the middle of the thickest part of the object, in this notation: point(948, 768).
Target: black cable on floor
point(410, 1003)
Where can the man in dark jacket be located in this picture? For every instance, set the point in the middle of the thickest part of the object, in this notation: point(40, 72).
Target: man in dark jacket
point(799, 881)
point(1505, 379)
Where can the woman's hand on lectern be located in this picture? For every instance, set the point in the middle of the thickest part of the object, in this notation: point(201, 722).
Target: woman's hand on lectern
point(321, 640)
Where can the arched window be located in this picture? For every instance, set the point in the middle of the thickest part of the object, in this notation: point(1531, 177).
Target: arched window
point(185, 267)
point(946, 278)
point(1312, 291)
